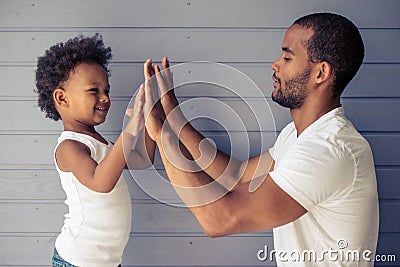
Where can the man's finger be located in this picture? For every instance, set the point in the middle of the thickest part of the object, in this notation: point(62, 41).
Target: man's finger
point(167, 73)
point(165, 63)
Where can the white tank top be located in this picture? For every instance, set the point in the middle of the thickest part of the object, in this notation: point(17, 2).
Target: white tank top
point(97, 226)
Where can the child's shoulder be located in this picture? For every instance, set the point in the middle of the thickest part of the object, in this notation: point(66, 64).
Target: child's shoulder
point(69, 153)
point(75, 142)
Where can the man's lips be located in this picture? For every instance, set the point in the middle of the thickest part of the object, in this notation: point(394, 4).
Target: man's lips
point(276, 81)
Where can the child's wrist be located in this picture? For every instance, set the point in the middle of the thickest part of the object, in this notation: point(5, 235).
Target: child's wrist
point(131, 136)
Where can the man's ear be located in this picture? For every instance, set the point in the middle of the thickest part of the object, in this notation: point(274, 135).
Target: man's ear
point(60, 98)
point(324, 72)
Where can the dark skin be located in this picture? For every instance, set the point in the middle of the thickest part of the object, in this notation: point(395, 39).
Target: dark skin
point(83, 103)
point(235, 211)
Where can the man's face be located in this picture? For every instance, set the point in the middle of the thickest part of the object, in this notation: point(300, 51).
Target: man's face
point(292, 69)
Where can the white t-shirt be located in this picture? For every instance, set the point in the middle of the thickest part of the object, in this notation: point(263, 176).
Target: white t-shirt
point(97, 226)
point(329, 170)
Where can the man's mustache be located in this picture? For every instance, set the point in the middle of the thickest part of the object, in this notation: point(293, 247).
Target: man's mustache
point(276, 78)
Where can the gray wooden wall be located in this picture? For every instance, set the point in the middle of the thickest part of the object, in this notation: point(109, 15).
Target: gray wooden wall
point(243, 34)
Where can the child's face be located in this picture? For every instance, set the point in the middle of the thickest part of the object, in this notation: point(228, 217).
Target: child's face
point(88, 90)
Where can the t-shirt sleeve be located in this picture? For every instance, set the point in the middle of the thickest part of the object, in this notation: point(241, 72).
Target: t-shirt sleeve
point(286, 131)
point(314, 171)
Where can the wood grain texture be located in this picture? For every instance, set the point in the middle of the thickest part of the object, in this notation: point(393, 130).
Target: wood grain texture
point(245, 35)
point(228, 45)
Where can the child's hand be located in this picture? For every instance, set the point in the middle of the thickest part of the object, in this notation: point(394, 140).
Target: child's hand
point(153, 111)
point(136, 121)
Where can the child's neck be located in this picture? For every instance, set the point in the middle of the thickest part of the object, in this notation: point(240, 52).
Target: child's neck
point(85, 129)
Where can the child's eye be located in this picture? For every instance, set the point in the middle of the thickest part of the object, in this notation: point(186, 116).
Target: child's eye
point(286, 59)
point(93, 90)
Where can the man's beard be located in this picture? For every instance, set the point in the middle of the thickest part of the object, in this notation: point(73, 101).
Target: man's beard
point(295, 91)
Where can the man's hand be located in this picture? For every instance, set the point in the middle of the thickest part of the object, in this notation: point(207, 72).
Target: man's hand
point(170, 104)
point(166, 84)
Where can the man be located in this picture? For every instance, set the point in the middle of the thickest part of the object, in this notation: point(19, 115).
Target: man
point(317, 186)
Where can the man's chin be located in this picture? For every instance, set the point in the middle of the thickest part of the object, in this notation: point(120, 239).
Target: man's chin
point(276, 95)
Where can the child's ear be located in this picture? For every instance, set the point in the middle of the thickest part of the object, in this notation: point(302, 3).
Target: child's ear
point(60, 98)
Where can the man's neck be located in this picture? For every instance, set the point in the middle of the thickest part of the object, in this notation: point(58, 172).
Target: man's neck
point(311, 112)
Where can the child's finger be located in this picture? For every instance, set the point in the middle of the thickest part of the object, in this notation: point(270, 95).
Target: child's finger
point(129, 112)
point(147, 69)
point(140, 94)
point(138, 102)
point(160, 80)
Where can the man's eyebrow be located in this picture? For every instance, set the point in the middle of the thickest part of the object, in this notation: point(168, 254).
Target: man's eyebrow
point(288, 50)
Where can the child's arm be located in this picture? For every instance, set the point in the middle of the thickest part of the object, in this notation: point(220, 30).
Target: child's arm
point(142, 156)
point(73, 156)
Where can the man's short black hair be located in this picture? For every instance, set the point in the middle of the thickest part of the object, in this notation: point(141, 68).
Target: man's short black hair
point(55, 66)
point(337, 41)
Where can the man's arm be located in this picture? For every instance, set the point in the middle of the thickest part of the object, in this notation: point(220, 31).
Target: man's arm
point(219, 212)
point(218, 165)
point(236, 211)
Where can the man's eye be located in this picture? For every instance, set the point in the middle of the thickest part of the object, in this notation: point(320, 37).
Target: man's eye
point(286, 59)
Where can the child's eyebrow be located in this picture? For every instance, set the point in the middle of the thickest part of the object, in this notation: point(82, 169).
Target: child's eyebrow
point(108, 86)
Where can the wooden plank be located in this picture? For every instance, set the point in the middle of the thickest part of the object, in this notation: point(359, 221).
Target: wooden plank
point(388, 182)
point(135, 45)
point(254, 114)
point(382, 149)
point(374, 80)
point(41, 147)
point(387, 247)
point(171, 250)
point(150, 250)
point(19, 81)
point(225, 13)
point(373, 114)
point(44, 184)
point(246, 114)
point(147, 218)
point(389, 217)
point(48, 218)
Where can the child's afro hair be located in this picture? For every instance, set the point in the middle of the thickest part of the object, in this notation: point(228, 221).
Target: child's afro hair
point(54, 68)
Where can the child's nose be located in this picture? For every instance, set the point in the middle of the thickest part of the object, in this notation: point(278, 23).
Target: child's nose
point(104, 98)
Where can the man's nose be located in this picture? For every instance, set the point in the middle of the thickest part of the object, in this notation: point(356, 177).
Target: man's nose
point(275, 66)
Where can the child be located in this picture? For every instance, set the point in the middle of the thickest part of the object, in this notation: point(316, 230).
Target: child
point(72, 83)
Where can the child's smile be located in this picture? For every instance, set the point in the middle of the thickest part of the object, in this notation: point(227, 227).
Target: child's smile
point(87, 91)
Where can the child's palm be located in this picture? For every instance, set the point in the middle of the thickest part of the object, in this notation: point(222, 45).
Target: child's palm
point(136, 121)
